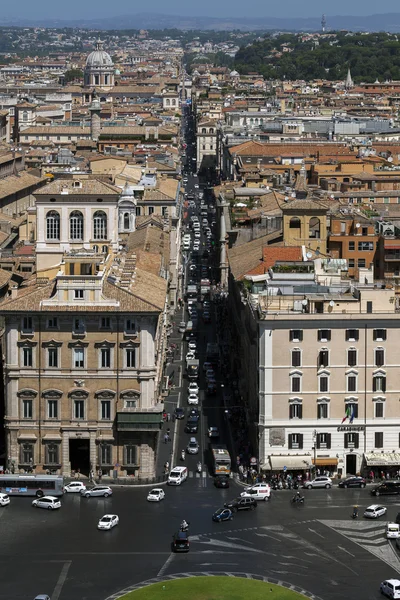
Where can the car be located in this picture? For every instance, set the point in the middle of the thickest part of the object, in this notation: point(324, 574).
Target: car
point(392, 531)
point(4, 499)
point(390, 588)
point(193, 446)
point(353, 482)
point(155, 495)
point(211, 389)
point(192, 425)
point(97, 490)
point(108, 522)
point(193, 268)
point(193, 387)
point(210, 374)
point(179, 413)
point(213, 432)
point(258, 492)
point(221, 481)
point(74, 486)
point(194, 412)
point(387, 488)
point(206, 317)
point(49, 502)
point(196, 186)
point(197, 234)
point(207, 366)
point(241, 504)
point(374, 511)
point(319, 482)
point(222, 514)
point(180, 542)
point(190, 356)
point(42, 597)
point(196, 245)
point(193, 399)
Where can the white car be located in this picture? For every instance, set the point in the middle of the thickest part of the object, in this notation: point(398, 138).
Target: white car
point(74, 486)
point(197, 234)
point(49, 502)
point(155, 495)
point(196, 186)
point(193, 399)
point(392, 531)
point(192, 345)
point(196, 246)
point(190, 356)
point(319, 482)
point(374, 511)
point(108, 522)
point(4, 500)
point(193, 388)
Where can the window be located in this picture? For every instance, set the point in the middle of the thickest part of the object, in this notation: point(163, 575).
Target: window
point(352, 246)
point(100, 225)
point(295, 411)
point(378, 439)
point(52, 409)
point(164, 211)
point(365, 246)
point(323, 358)
point(296, 335)
point(379, 383)
point(296, 357)
point(76, 225)
point(322, 410)
point(378, 411)
point(295, 223)
point(130, 326)
point(130, 455)
point(352, 383)
point(295, 441)
point(27, 325)
point(78, 294)
point(352, 357)
point(130, 403)
point(351, 440)
point(324, 335)
point(324, 383)
point(105, 323)
point(52, 323)
point(295, 383)
point(323, 441)
point(130, 358)
point(369, 307)
point(27, 409)
point(53, 225)
point(151, 210)
point(79, 358)
point(361, 263)
point(379, 335)
point(105, 358)
point(105, 454)
point(379, 357)
point(27, 454)
point(351, 263)
point(52, 357)
point(27, 356)
point(138, 211)
point(352, 335)
point(79, 409)
point(78, 326)
point(352, 409)
point(105, 410)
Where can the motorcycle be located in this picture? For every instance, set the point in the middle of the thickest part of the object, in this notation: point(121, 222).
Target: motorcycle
point(199, 467)
point(355, 512)
point(185, 526)
point(297, 499)
point(296, 484)
point(183, 455)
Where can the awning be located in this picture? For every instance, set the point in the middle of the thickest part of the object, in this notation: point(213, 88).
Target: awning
point(324, 462)
point(292, 462)
point(139, 421)
point(382, 459)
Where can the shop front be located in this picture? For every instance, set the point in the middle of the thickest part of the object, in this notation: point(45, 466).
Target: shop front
point(379, 465)
point(326, 465)
point(301, 464)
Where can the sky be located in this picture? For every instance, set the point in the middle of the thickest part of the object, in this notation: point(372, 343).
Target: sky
point(76, 9)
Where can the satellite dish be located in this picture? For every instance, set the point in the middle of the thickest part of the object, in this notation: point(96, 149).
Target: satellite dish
point(358, 225)
point(309, 254)
point(304, 302)
point(331, 303)
point(390, 159)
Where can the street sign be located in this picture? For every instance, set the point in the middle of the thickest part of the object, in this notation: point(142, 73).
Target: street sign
point(284, 469)
point(253, 460)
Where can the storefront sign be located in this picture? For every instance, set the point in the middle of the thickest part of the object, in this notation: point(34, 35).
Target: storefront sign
point(277, 436)
point(348, 428)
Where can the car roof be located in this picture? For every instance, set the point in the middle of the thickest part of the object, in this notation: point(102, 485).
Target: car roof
point(156, 490)
point(374, 506)
point(108, 516)
point(182, 535)
point(48, 498)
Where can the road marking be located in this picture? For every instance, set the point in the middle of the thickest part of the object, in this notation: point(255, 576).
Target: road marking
point(268, 536)
point(61, 580)
point(347, 552)
point(316, 533)
point(166, 565)
point(222, 544)
point(212, 564)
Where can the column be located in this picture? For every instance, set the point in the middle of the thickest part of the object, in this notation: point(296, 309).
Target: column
point(93, 449)
point(66, 465)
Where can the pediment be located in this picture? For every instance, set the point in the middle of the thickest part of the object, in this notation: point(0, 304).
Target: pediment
point(54, 394)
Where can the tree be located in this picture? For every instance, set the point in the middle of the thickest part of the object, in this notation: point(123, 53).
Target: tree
point(73, 75)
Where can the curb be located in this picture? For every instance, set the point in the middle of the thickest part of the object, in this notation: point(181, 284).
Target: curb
point(273, 580)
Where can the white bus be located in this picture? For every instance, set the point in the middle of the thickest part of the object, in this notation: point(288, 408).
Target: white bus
point(32, 485)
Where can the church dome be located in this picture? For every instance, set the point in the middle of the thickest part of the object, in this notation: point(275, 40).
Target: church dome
point(99, 57)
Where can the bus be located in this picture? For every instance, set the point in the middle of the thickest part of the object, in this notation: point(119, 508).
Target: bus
point(32, 485)
point(221, 460)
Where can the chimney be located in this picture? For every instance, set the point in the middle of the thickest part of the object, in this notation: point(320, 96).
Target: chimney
point(14, 291)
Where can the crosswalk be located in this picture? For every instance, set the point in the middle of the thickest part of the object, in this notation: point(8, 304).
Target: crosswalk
point(198, 475)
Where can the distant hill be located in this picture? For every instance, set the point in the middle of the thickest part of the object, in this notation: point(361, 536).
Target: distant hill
point(380, 22)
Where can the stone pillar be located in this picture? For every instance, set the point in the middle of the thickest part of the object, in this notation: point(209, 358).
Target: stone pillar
point(66, 465)
point(147, 457)
point(93, 449)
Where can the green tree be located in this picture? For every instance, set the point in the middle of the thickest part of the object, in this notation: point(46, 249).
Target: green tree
point(73, 75)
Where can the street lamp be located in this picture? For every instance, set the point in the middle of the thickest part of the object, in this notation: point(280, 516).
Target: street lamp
point(314, 437)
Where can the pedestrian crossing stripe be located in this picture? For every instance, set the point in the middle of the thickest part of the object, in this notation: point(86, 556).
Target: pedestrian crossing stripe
point(198, 475)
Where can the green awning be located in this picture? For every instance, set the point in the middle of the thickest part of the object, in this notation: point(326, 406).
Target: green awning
point(137, 421)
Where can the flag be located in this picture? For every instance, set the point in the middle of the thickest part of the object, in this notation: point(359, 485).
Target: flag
point(352, 415)
point(347, 416)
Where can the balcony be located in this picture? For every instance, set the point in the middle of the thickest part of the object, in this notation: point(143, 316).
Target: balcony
point(393, 257)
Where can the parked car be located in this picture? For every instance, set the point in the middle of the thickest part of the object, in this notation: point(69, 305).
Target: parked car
point(387, 488)
point(319, 482)
point(49, 502)
point(108, 522)
point(97, 490)
point(353, 482)
point(374, 511)
point(222, 514)
point(180, 542)
point(74, 487)
point(241, 504)
point(221, 481)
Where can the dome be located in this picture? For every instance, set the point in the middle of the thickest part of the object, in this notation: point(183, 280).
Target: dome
point(99, 57)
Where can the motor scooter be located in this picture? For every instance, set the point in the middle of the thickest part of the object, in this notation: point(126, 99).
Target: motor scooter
point(355, 512)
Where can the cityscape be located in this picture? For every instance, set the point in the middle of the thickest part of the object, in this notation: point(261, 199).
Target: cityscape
point(200, 302)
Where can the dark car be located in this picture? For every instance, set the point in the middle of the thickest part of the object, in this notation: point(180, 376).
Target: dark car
point(387, 488)
point(222, 514)
point(180, 542)
point(192, 425)
point(241, 504)
point(194, 412)
point(179, 413)
point(352, 482)
point(221, 481)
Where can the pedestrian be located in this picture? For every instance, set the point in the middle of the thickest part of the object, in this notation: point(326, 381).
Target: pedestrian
point(164, 416)
point(91, 476)
point(165, 438)
point(318, 472)
point(166, 467)
point(100, 474)
point(168, 416)
point(173, 417)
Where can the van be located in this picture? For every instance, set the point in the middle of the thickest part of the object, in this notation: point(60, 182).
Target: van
point(391, 588)
point(177, 476)
point(260, 491)
point(392, 531)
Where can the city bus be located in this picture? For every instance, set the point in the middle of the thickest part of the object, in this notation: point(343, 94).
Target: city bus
point(221, 460)
point(32, 485)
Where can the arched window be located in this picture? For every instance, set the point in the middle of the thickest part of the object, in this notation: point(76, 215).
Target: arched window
point(76, 225)
point(204, 130)
point(167, 103)
point(53, 225)
point(211, 130)
point(96, 249)
point(25, 115)
point(294, 223)
point(126, 221)
point(104, 249)
point(315, 226)
point(100, 225)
